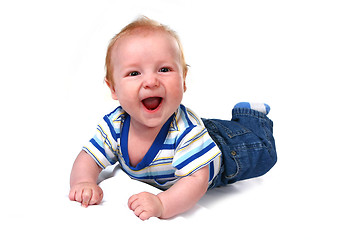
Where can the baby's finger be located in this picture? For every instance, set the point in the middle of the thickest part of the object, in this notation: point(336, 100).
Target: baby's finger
point(139, 210)
point(72, 195)
point(86, 196)
point(145, 215)
point(135, 204)
point(78, 196)
point(96, 197)
point(131, 200)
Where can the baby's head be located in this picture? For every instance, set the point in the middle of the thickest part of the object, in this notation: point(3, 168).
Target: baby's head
point(145, 71)
point(142, 24)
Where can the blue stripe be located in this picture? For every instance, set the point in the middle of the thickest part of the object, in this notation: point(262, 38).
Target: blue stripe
point(211, 171)
point(191, 151)
point(170, 140)
point(178, 141)
point(111, 128)
point(171, 175)
point(98, 147)
point(184, 111)
point(199, 135)
point(195, 156)
point(94, 157)
point(119, 108)
point(124, 140)
point(162, 161)
point(167, 146)
point(194, 116)
point(107, 141)
point(204, 164)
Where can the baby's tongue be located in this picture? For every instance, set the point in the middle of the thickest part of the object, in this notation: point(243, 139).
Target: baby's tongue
point(152, 102)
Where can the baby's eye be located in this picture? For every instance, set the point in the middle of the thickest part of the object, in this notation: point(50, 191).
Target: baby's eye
point(164, 69)
point(134, 73)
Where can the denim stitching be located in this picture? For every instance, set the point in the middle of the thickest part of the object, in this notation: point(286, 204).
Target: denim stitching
point(232, 134)
point(238, 167)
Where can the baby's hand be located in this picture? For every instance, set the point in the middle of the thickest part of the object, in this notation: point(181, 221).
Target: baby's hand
point(86, 193)
point(145, 205)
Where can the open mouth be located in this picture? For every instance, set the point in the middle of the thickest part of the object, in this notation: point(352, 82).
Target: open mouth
point(152, 103)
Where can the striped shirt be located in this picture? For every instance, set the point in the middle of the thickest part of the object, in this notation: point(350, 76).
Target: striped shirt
point(182, 147)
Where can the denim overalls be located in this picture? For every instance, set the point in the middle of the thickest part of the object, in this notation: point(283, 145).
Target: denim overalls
point(247, 145)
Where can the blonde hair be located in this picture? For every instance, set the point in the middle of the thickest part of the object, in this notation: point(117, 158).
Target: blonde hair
point(141, 23)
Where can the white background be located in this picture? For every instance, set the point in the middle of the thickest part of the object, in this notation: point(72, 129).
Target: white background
point(301, 57)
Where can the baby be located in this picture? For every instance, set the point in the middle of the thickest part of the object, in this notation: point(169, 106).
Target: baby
point(159, 141)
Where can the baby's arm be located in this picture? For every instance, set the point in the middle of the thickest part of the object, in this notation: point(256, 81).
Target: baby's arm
point(83, 178)
point(182, 196)
point(185, 193)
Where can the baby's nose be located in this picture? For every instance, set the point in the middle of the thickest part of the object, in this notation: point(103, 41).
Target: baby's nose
point(151, 81)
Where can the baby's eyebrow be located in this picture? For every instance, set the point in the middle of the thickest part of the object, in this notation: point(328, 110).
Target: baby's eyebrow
point(128, 66)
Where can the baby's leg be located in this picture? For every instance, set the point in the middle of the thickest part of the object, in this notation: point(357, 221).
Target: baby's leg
point(246, 143)
point(253, 116)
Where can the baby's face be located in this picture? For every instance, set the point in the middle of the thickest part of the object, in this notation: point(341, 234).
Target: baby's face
point(148, 77)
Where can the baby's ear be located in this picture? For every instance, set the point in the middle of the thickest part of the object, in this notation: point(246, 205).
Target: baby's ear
point(112, 89)
point(184, 76)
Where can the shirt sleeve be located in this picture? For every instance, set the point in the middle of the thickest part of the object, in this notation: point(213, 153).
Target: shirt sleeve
point(103, 146)
point(194, 150)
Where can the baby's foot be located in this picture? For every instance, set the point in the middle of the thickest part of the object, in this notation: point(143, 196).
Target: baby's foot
point(260, 107)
